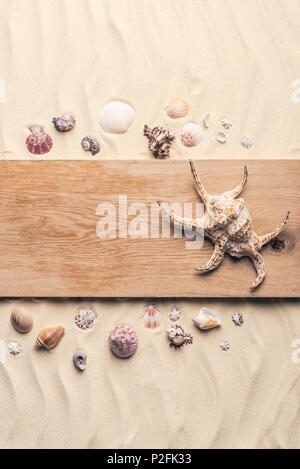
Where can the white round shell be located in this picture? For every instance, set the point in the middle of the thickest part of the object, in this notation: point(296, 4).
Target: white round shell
point(116, 117)
point(191, 134)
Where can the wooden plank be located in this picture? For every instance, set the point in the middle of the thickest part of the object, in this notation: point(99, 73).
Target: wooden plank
point(49, 246)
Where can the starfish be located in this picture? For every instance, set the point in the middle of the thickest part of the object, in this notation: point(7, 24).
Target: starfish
point(228, 224)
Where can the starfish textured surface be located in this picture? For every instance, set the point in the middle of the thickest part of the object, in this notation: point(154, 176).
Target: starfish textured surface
point(228, 224)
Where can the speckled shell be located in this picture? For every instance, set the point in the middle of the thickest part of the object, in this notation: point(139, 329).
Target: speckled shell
point(152, 317)
point(38, 141)
point(207, 319)
point(79, 360)
point(123, 340)
point(85, 317)
point(159, 141)
point(177, 108)
point(191, 134)
point(64, 123)
point(48, 338)
point(90, 144)
point(21, 319)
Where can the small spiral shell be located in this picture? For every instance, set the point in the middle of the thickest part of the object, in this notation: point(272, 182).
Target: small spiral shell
point(48, 338)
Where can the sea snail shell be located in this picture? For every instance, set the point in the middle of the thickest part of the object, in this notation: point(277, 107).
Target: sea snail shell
point(21, 319)
point(48, 338)
point(79, 360)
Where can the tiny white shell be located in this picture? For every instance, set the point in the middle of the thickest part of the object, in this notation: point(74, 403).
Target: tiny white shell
point(224, 345)
point(226, 123)
point(238, 319)
point(207, 319)
point(177, 108)
point(205, 121)
point(14, 348)
point(221, 137)
point(246, 143)
point(175, 314)
point(191, 134)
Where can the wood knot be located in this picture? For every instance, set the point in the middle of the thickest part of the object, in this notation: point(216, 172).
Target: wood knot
point(284, 241)
point(277, 244)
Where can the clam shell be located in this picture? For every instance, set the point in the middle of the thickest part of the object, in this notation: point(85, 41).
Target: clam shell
point(21, 319)
point(48, 338)
point(152, 317)
point(207, 319)
point(177, 108)
point(38, 141)
point(90, 144)
point(123, 340)
point(64, 123)
point(191, 134)
point(116, 117)
point(79, 360)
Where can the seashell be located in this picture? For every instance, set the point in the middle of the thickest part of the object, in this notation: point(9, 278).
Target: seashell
point(64, 123)
point(238, 319)
point(224, 345)
point(90, 144)
point(152, 317)
point(21, 320)
point(79, 360)
point(221, 137)
point(191, 134)
point(14, 348)
point(85, 318)
point(123, 340)
point(178, 337)
point(205, 121)
point(246, 143)
point(159, 141)
point(175, 314)
point(177, 108)
point(116, 117)
point(226, 123)
point(38, 141)
point(207, 319)
point(48, 338)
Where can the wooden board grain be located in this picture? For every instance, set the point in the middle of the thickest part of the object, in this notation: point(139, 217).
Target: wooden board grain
point(49, 246)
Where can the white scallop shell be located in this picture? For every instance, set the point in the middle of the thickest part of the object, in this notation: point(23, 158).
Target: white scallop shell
point(177, 108)
point(116, 117)
point(221, 137)
point(207, 319)
point(191, 134)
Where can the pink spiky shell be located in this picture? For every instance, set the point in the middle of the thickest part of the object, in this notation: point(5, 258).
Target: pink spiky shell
point(123, 340)
point(38, 141)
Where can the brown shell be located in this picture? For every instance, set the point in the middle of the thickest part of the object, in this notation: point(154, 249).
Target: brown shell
point(38, 141)
point(48, 338)
point(21, 319)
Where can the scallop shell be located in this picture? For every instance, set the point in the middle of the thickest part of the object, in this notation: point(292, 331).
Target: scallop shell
point(152, 317)
point(226, 123)
point(38, 141)
point(64, 123)
point(191, 134)
point(177, 108)
point(14, 348)
point(79, 360)
point(116, 117)
point(21, 319)
point(221, 137)
point(246, 143)
point(123, 340)
point(207, 319)
point(48, 338)
point(85, 318)
point(90, 144)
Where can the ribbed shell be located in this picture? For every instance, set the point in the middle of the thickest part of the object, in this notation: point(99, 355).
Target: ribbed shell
point(152, 317)
point(48, 338)
point(177, 108)
point(38, 141)
point(191, 134)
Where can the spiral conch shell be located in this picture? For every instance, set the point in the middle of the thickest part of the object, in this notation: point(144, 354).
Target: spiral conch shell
point(207, 319)
point(79, 360)
point(48, 338)
point(21, 319)
point(177, 108)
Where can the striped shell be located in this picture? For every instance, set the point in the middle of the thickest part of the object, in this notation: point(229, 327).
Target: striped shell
point(123, 340)
point(48, 338)
point(191, 134)
point(152, 317)
point(177, 108)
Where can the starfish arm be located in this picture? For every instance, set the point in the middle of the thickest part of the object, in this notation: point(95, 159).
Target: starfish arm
point(259, 265)
point(267, 237)
point(200, 188)
point(235, 192)
point(183, 221)
point(215, 260)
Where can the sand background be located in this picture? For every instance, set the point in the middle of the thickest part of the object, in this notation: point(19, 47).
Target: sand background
point(237, 59)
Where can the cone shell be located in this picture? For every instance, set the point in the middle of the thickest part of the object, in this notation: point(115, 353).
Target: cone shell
point(123, 340)
point(152, 317)
point(191, 134)
point(48, 338)
point(207, 319)
point(177, 108)
point(21, 319)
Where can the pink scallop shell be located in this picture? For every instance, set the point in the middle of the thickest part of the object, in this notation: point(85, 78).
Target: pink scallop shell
point(123, 340)
point(38, 141)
